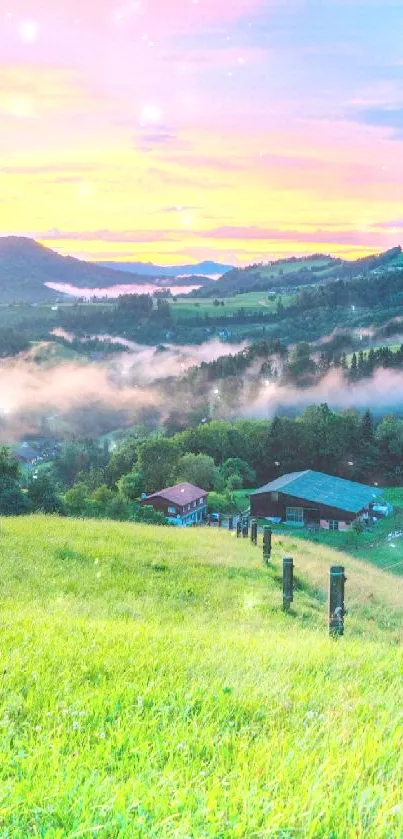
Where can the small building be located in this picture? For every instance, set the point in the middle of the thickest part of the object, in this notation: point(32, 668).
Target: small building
point(183, 504)
point(314, 499)
point(26, 455)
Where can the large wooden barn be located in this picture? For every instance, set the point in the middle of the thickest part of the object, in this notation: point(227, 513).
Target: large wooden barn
point(313, 498)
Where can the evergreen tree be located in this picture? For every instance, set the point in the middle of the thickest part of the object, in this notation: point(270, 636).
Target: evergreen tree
point(367, 432)
point(354, 368)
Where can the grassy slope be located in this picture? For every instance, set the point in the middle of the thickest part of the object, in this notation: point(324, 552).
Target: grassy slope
point(254, 301)
point(152, 687)
point(372, 545)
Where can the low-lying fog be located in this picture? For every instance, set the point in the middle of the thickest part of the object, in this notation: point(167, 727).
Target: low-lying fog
point(89, 397)
point(115, 291)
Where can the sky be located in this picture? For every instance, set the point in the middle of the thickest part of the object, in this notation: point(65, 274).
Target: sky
point(181, 130)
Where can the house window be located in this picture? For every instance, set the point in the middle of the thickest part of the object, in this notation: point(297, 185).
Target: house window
point(295, 514)
point(274, 496)
point(171, 509)
point(333, 524)
point(200, 501)
point(194, 503)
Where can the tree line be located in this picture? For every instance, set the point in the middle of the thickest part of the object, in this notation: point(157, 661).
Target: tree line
point(90, 479)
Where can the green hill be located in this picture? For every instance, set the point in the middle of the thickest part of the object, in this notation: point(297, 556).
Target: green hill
point(25, 267)
point(296, 272)
point(152, 687)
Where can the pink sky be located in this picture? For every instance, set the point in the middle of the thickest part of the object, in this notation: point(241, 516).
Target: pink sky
point(182, 130)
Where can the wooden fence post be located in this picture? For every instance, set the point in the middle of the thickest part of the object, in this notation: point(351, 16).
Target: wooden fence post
point(231, 523)
point(288, 582)
point(245, 527)
point(253, 532)
point(336, 600)
point(266, 544)
point(238, 528)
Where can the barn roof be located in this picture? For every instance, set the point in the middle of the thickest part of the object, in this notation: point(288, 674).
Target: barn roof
point(323, 489)
point(25, 452)
point(181, 494)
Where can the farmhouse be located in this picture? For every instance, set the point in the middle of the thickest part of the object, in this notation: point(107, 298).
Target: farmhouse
point(183, 504)
point(313, 498)
point(27, 455)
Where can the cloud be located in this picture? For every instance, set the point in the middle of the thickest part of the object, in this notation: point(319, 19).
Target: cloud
point(337, 236)
point(56, 235)
point(382, 117)
point(32, 91)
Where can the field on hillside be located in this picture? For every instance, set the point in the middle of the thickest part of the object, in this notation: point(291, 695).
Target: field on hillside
point(379, 545)
point(254, 301)
point(152, 688)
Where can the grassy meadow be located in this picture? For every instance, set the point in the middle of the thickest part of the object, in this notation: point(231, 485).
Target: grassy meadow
point(375, 545)
point(254, 301)
point(153, 687)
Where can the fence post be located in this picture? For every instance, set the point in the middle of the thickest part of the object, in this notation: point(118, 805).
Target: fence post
point(336, 600)
point(266, 544)
point(288, 582)
point(231, 523)
point(253, 532)
point(238, 528)
point(219, 520)
point(245, 527)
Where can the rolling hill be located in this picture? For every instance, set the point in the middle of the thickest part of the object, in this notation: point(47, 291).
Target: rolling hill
point(25, 267)
point(152, 687)
point(308, 271)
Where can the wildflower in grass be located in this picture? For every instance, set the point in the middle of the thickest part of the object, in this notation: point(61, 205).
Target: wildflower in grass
point(140, 702)
point(102, 735)
point(96, 561)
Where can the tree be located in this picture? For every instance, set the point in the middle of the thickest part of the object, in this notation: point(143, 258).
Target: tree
point(99, 501)
point(43, 496)
point(300, 363)
point(198, 469)
point(367, 427)
point(234, 482)
point(240, 468)
point(77, 458)
point(158, 462)
point(123, 460)
point(132, 485)
point(77, 500)
point(354, 368)
point(13, 502)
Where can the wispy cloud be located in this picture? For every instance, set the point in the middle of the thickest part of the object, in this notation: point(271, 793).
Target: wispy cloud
point(273, 126)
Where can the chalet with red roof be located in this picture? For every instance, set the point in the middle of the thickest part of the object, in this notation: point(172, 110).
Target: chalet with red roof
point(183, 504)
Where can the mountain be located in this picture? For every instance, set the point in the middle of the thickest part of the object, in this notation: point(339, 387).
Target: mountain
point(25, 267)
point(307, 271)
point(202, 269)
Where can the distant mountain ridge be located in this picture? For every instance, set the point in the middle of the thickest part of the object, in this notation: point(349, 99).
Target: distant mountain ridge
point(25, 267)
point(201, 269)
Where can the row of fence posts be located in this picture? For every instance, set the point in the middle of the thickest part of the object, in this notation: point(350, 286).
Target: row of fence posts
point(337, 576)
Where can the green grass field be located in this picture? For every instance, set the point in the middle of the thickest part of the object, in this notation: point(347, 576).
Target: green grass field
point(254, 301)
point(372, 545)
point(152, 688)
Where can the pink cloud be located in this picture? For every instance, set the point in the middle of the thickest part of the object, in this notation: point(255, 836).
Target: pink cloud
point(155, 14)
